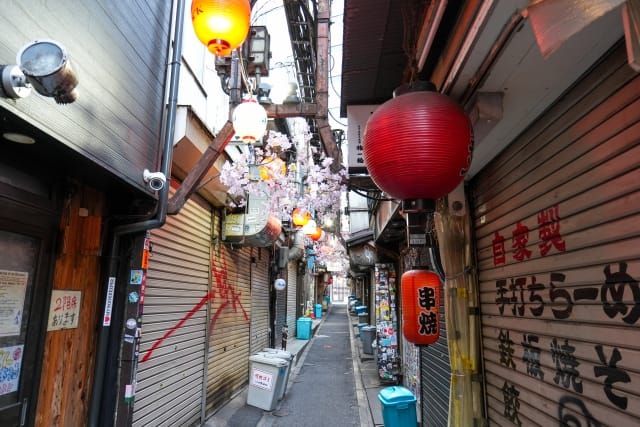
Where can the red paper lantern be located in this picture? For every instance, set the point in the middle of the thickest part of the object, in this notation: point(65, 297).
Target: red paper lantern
point(418, 145)
point(420, 306)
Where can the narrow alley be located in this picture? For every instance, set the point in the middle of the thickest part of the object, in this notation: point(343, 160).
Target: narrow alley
point(333, 383)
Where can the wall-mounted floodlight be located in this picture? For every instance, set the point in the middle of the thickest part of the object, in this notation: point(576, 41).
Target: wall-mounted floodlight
point(47, 67)
point(43, 65)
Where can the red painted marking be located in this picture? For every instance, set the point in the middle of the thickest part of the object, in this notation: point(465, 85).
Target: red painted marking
point(228, 295)
point(178, 325)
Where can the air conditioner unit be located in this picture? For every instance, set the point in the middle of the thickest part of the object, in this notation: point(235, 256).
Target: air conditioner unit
point(255, 227)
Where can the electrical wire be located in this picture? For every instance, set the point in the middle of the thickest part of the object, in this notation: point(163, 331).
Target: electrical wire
point(359, 191)
point(245, 77)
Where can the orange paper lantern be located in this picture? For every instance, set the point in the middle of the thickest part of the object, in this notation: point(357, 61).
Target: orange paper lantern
point(300, 217)
point(420, 306)
point(272, 168)
point(316, 235)
point(221, 25)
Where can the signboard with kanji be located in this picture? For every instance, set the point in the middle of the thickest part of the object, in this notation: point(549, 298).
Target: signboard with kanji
point(64, 309)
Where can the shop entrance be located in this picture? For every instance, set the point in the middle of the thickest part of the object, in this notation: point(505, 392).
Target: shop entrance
point(26, 235)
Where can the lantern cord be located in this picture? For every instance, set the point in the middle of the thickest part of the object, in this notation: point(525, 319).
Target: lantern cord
point(245, 77)
point(466, 271)
point(361, 191)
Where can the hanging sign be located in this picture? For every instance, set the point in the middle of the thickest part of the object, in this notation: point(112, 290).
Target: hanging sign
point(420, 306)
point(64, 309)
point(13, 285)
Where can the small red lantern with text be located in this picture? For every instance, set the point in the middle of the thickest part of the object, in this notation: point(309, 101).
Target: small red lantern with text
point(420, 306)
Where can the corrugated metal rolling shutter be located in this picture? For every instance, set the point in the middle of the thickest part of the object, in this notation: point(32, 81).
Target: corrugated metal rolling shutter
point(292, 281)
point(170, 382)
point(260, 285)
point(228, 359)
point(435, 378)
point(557, 226)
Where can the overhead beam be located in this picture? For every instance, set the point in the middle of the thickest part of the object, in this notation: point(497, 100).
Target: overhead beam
point(322, 85)
point(200, 169)
point(275, 111)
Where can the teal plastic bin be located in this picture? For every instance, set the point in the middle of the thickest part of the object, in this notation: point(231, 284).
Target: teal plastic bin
point(318, 310)
point(361, 309)
point(303, 328)
point(398, 407)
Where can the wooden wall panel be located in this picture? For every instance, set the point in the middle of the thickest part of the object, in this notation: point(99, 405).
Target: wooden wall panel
point(68, 362)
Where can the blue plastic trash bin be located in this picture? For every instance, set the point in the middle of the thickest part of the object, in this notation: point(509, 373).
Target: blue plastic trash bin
point(398, 407)
point(361, 309)
point(303, 328)
point(318, 308)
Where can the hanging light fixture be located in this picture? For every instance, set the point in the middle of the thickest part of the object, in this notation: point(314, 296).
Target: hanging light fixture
point(300, 217)
point(417, 148)
point(419, 137)
point(221, 25)
point(312, 231)
point(316, 234)
point(249, 121)
point(271, 168)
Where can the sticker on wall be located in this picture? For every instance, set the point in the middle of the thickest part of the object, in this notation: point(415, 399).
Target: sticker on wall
point(133, 297)
point(131, 323)
point(136, 277)
point(145, 259)
point(128, 338)
point(129, 393)
point(280, 284)
point(108, 306)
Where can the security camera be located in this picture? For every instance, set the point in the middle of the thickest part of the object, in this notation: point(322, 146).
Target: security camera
point(46, 65)
point(156, 180)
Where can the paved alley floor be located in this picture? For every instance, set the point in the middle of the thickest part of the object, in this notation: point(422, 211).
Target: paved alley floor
point(323, 392)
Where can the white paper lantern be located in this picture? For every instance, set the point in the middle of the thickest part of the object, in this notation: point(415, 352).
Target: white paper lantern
point(249, 121)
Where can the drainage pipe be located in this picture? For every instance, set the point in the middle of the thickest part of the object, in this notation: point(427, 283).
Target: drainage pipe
point(154, 222)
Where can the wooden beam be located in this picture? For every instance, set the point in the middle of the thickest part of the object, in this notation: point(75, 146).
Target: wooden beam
point(200, 169)
point(275, 111)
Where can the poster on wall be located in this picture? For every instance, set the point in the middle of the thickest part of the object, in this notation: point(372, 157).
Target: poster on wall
point(10, 363)
point(13, 286)
point(386, 323)
point(64, 309)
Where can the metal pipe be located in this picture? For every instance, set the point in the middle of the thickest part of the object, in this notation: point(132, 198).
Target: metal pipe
point(322, 85)
point(498, 46)
point(156, 221)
